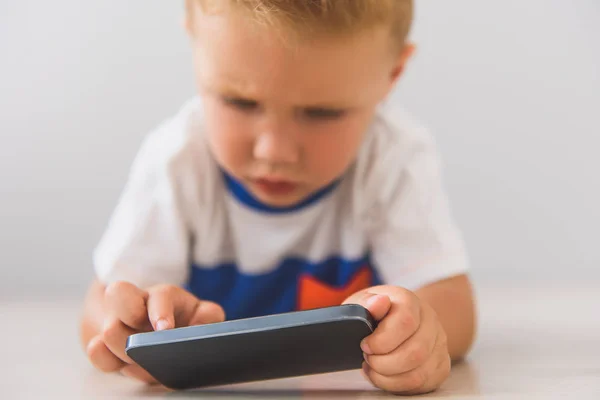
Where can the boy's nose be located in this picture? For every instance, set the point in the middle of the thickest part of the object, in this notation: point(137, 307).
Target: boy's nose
point(276, 148)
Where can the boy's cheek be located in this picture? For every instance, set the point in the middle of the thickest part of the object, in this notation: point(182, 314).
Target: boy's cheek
point(220, 119)
point(230, 141)
point(329, 153)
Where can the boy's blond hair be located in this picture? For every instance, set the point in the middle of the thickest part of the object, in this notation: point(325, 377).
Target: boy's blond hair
point(309, 17)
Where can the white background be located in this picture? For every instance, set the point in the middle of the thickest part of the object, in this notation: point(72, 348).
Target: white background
point(510, 89)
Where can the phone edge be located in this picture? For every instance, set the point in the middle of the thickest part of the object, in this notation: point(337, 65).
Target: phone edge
point(350, 312)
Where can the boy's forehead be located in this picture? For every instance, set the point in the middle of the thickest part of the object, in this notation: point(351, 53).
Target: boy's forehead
point(239, 58)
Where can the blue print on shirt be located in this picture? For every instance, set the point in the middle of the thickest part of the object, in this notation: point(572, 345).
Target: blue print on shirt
point(244, 295)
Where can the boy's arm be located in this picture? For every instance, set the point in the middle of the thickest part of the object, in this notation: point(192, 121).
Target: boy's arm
point(93, 313)
point(453, 301)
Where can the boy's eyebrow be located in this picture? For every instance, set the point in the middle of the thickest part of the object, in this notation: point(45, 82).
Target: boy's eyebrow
point(232, 90)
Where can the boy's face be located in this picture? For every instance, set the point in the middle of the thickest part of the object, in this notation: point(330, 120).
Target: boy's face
point(287, 120)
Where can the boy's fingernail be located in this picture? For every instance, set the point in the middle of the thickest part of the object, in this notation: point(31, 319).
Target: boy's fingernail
point(162, 325)
point(373, 299)
point(365, 347)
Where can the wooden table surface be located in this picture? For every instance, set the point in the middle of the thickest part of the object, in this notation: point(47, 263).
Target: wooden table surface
point(533, 343)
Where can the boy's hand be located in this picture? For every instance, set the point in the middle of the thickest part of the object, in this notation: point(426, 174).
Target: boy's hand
point(407, 353)
point(129, 310)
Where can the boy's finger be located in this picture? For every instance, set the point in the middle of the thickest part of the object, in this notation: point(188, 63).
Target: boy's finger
point(400, 323)
point(115, 336)
point(137, 372)
point(423, 379)
point(161, 308)
point(207, 312)
point(127, 303)
point(397, 327)
point(409, 355)
point(170, 307)
point(101, 357)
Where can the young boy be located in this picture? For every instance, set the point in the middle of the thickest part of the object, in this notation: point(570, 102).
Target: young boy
point(287, 186)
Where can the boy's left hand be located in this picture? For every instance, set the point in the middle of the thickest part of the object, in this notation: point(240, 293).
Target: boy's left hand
point(407, 353)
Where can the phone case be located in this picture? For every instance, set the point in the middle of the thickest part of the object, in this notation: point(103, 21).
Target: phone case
point(270, 347)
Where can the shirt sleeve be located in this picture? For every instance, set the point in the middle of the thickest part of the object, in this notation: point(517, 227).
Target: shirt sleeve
point(147, 240)
point(414, 238)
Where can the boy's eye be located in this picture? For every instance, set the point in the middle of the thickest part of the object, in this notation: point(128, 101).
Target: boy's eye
point(323, 113)
point(241, 104)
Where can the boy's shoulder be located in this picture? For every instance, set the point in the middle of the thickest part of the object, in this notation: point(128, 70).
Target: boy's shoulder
point(395, 135)
point(397, 148)
point(175, 133)
point(176, 145)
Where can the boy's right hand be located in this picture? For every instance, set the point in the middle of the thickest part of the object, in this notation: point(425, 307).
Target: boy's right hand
point(129, 310)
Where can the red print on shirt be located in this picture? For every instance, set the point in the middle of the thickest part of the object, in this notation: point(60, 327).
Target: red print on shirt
point(313, 293)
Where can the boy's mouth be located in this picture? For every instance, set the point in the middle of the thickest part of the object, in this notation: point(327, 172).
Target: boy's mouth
point(275, 187)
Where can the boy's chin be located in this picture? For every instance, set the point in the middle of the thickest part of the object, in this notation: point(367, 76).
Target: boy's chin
point(280, 201)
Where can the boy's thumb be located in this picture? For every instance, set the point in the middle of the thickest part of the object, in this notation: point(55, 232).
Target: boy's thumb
point(377, 304)
point(206, 312)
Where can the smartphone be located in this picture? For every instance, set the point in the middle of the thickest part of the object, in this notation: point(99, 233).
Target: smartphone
point(261, 348)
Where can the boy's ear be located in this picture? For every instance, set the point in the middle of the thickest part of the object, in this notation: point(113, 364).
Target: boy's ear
point(186, 21)
point(185, 24)
point(399, 66)
point(402, 60)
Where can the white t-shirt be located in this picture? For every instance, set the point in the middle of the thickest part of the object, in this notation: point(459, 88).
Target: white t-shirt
point(181, 220)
